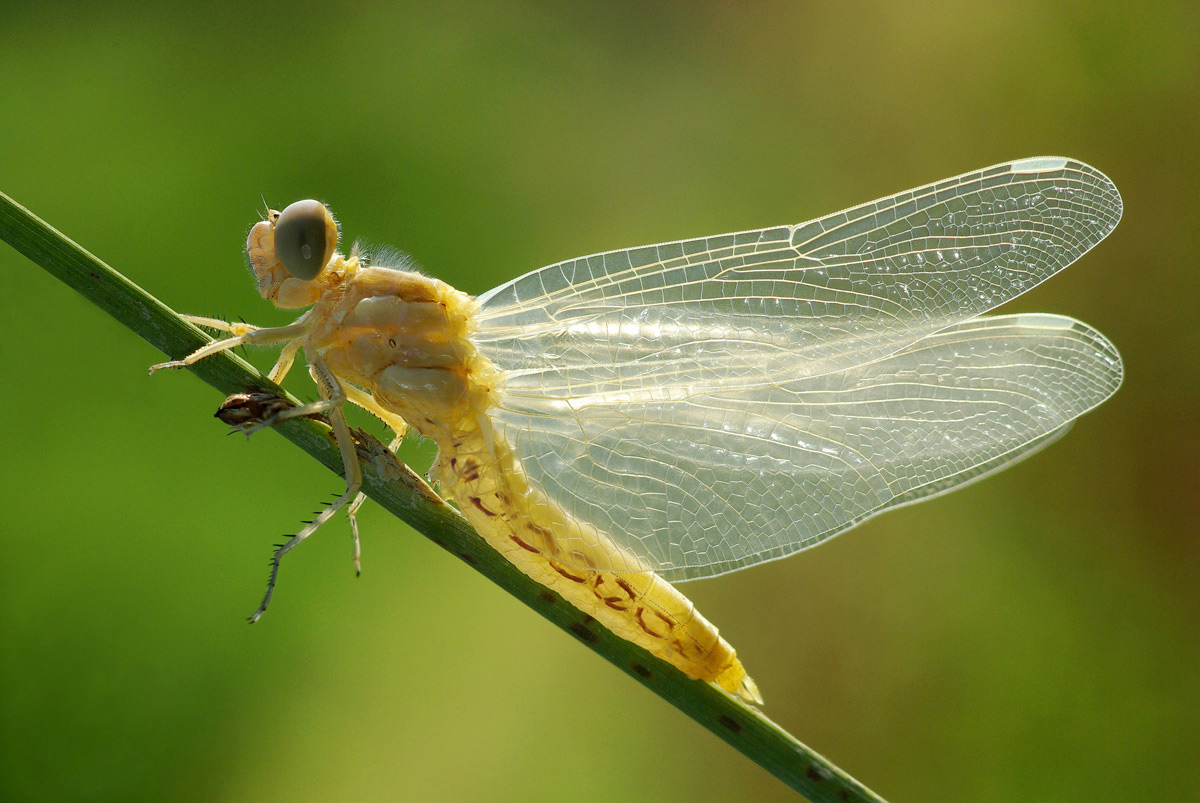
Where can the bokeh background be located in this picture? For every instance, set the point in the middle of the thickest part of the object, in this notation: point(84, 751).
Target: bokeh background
point(1034, 637)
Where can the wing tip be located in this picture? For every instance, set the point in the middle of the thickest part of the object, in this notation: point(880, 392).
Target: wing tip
point(1101, 185)
point(1106, 352)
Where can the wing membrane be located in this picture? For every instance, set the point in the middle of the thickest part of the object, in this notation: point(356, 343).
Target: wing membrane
point(722, 479)
point(747, 309)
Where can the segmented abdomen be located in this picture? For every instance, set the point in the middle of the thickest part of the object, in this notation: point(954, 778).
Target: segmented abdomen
point(638, 606)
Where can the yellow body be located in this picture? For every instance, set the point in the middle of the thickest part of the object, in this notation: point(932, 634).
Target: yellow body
point(398, 344)
point(405, 338)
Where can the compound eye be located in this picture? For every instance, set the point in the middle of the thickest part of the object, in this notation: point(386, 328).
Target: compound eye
point(305, 238)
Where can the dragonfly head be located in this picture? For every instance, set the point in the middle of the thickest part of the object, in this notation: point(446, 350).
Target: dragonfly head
point(292, 253)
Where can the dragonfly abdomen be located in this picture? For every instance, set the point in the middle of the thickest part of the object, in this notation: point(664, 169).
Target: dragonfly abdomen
point(531, 532)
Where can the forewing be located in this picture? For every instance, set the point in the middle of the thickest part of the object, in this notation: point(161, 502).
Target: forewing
point(720, 480)
point(743, 310)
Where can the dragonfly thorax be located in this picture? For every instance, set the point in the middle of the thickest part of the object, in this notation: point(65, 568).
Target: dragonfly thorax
point(404, 337)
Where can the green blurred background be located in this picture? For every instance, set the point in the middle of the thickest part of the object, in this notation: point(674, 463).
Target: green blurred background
point(1031, 638)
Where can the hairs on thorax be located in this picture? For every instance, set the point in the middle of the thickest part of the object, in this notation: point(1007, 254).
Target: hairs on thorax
point(384, 256)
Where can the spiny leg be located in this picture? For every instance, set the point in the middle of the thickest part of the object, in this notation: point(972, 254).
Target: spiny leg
point(399, 426)
point(333, 397)
point(287, 356)
point(366, 401)
point(356, 504)
point(234, 328)
point(258, 337)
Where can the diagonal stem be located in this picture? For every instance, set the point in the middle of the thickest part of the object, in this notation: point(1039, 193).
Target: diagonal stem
point(395, 487)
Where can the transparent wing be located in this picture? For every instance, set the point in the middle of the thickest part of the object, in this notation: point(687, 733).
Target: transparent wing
point(743, 310)
point(723, 479)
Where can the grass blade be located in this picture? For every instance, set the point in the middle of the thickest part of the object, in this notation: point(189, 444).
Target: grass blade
point(395, 487)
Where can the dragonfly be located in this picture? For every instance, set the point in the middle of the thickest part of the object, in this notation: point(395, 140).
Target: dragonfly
point(615, 423)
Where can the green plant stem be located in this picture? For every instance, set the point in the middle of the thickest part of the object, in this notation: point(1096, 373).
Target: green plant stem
point(396, 488)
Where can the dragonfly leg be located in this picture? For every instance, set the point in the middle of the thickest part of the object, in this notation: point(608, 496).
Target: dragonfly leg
point(355, 505)
point(284, 364)
point(257, 337)
point(234, 328)
point(333, 397)
point(368, 403)
point(286, 357)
